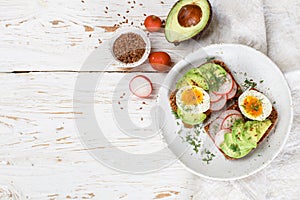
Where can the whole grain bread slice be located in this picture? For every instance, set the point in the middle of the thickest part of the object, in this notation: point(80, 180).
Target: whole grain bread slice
point(172, 98)
point(273, 117)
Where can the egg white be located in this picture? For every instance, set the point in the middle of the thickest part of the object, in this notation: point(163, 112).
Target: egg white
point(199, 108)
point(266, 105)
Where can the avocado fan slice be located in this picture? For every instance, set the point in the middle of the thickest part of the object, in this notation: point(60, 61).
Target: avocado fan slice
point(192, 78)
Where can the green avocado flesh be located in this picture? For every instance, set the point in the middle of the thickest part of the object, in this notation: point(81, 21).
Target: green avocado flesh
point(192, 78)
point(244, 137)
point(208, 76)
point(187, 19)
point(214, 74)
point(191, 118)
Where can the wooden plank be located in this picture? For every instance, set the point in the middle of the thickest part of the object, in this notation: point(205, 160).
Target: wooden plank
point(41, 155)
point(60, 35)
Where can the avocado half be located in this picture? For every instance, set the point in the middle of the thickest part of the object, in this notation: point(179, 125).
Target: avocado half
point(187, 19)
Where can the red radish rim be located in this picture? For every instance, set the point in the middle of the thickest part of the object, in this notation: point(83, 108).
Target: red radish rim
point(224, 98)
point(213, 132)
point(147, 79)
point(224, 93)
point(240, 115)
point(213, 101)
point(231, 94)
point(225, 132)
point(231, 111)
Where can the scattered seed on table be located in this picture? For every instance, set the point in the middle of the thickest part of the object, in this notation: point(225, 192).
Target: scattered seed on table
point(106, 8)
point(141, 4)
point(118, 14)
point(145, 14)
point(132, 6)
point(127, 11)
point(142, 118)
point(105, 11)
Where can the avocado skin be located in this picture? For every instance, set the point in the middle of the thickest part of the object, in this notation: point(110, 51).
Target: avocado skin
point(200, 34)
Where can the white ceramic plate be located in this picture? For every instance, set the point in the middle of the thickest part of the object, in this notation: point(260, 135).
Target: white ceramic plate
point(246, 63)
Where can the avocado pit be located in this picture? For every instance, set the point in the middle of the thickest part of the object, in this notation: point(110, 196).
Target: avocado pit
point(189, 15)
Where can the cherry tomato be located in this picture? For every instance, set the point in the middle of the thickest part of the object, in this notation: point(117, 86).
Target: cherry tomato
point(160, 61)
point(152, 23)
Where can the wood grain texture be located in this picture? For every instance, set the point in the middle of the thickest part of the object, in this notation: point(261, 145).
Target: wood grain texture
point(41, 156)
point(59, 35)
point(43, 45)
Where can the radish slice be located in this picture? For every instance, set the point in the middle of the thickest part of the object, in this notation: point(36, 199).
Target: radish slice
point(219, 139)
point(233, 91)
point(141, 86)
point(226, 87)
point(214, 97)
point(215, 127)
point(229, 121)
point(229, 112)
point(219, 104)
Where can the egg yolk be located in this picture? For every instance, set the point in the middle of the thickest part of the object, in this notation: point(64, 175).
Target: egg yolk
point(253, 106)
point(192, 96)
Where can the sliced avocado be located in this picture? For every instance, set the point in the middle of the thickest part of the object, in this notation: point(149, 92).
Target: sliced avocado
point(256, 129)
point(191, 118)
point(230, 148)
point(192, 77)
point(187, 19)
point(244, 137)
point(241, 137)
point(214, 74)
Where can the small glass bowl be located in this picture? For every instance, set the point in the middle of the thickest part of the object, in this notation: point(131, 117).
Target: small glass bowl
point(138, 31)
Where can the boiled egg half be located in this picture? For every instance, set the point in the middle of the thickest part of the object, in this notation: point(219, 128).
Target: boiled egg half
point(255, 105)
point(193, 99)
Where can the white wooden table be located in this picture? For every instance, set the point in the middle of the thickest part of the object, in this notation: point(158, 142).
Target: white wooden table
point(42, 47)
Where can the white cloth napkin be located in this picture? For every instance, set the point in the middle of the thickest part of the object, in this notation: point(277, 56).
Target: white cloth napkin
point(237, 21)
point(283, 32)
point(269, 26)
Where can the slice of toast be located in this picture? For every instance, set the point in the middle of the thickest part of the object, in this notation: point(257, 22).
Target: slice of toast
point(273, 117)
point(172, 98)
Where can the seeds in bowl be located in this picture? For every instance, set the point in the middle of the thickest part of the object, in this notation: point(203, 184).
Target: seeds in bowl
point(129, 48)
